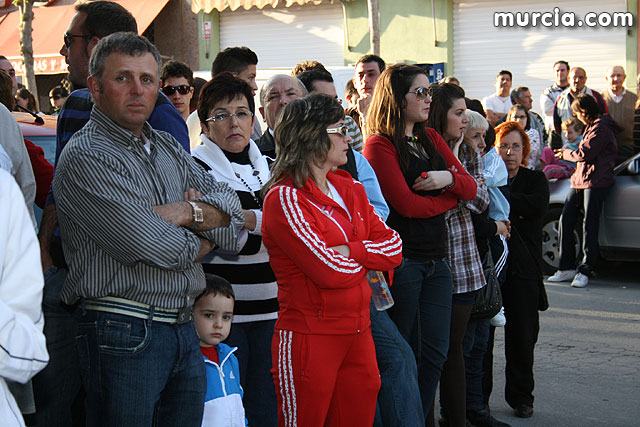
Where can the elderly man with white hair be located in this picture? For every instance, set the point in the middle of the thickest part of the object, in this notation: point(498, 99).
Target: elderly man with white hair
point(277, 92)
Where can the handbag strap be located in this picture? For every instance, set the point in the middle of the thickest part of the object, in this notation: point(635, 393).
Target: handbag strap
point(487, 260)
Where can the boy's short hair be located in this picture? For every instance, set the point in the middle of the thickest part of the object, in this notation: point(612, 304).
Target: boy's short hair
point(176, 69)
point(234, 60)
point(216, 285)
point(372, 58)
point(304, 66)
point(577, 124)
point(309, 77)
point(507, 72)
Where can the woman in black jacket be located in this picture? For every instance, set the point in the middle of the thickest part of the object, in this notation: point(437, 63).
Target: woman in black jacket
point(523, 292)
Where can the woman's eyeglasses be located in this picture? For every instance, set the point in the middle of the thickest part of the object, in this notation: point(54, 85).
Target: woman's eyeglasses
point(170, 90)
point(342, 130)
point(223, 117)
point(421, 93)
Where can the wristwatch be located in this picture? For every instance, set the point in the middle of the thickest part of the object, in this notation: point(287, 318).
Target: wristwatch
point(198, 216)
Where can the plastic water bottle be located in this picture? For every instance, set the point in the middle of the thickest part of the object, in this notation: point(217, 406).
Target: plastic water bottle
point(380, 292)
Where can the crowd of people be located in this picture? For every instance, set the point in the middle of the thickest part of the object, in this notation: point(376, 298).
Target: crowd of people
point(199, 270)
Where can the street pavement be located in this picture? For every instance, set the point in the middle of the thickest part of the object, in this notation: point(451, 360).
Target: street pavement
point(587, 359)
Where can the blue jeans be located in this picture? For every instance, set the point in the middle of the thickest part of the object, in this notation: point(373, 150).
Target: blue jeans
point(253, 340)
point(398, 402)
point(475, 346)
point(140, 373)
point(57, 386)
point(422, 291)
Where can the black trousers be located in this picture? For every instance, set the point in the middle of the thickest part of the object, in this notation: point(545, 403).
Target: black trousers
point(520, 300)
point(590, 200)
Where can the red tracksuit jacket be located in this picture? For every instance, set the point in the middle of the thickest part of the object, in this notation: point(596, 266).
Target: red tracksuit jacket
point(319, 290)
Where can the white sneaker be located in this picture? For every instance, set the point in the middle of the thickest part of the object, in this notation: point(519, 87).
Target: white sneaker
point(499, 319)
point(562, 276)
point(580, 281)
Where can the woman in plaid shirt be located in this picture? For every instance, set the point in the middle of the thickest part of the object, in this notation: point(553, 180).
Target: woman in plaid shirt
point(448, 116)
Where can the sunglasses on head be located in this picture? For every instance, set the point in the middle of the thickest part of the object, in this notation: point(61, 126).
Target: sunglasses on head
point(342, 130)
point(170, 90)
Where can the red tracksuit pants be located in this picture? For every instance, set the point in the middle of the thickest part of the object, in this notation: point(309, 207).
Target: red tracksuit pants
point(325, 380)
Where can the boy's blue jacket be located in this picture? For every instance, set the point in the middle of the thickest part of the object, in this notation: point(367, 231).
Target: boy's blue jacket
point(223, 401)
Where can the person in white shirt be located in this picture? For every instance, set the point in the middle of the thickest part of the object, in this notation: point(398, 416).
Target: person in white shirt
point(24, 352)
point(499, 104)
point(12, 142)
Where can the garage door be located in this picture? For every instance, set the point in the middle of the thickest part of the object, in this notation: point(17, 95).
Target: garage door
point(481, 50)
point(282, 37)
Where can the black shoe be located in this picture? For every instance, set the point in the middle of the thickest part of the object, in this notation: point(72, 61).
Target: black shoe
point(523, 411)
point(483, 418)
point(443, 422)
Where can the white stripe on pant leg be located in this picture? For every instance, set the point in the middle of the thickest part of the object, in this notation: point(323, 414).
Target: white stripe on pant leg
point(280, 377)
point(502, 261)
point(293, 388)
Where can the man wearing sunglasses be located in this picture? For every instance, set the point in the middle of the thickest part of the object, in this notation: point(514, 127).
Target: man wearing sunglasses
point(177, 84)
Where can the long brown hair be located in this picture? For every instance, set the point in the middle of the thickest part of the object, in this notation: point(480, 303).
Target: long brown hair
point(443, 95)
point(301, 138)
point(386, 114)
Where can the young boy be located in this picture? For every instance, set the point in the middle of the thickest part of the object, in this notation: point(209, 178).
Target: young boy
point(554, 167)
point(212, 314)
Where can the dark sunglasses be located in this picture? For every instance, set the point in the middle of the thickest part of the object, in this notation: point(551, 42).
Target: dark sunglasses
point(342, 130)
point(68, 38)
point(170, 90)
point(55, 97)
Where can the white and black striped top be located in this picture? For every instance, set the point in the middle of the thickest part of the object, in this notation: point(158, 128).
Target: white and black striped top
point(105, 186)
point(248, 270)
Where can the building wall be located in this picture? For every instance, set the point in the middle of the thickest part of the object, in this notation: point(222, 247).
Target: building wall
point(406, 28)
point(176, 33)
point(633, 49)
point(407, 34)
point(208, 49)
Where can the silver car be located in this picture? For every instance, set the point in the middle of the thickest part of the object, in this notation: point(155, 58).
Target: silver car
point(619, 235)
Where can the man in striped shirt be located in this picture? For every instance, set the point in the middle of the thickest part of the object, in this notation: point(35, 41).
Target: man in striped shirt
point(57, 386)
point(136, 214)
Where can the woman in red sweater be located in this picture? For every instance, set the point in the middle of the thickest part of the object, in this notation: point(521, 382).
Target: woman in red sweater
point(322, 236)
point(421, 179)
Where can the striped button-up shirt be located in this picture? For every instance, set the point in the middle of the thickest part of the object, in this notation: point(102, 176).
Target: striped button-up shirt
point(106, 185)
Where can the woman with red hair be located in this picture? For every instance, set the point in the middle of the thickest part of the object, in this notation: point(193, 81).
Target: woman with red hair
point(523, 291)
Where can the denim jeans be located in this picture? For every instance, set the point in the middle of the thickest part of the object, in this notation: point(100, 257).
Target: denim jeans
point(590, 200)
point(422, 291)
point(56, 387)
point(475, 346)
point(140, 373)
point(253, 340)
point(398, 399)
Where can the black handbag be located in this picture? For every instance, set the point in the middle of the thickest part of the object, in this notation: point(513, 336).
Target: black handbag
point(488, 298)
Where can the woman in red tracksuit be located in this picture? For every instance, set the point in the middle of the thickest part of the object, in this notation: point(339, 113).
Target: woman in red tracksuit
point(322, 236)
